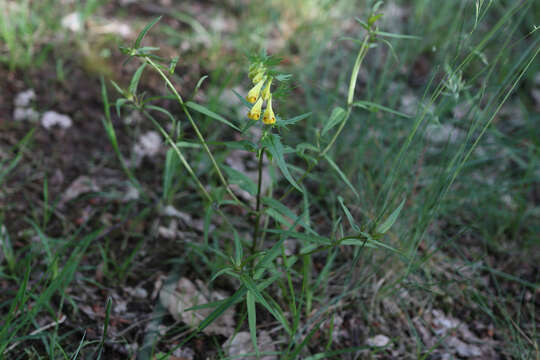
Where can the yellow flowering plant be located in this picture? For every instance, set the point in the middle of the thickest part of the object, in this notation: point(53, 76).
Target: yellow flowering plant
point(266, 88)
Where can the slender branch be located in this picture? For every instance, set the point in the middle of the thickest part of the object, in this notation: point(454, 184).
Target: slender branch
point(197, 131)
point(181, 157)
point(352, 85)
point(350, 97)
point(258, 205)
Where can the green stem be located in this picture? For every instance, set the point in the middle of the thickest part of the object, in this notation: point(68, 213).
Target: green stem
point(350, 97)
point(352, 85)
point(197, 131)
point(181, 157)
point(258, 204)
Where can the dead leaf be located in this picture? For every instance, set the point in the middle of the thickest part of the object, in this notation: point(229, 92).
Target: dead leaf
point(185, 294)
point(378, 340)
point(241, 344)
point(81, 185)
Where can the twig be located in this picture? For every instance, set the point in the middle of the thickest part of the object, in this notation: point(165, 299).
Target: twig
point(37, 331)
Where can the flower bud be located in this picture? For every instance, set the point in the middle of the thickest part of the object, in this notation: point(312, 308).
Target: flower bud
point(253, 94)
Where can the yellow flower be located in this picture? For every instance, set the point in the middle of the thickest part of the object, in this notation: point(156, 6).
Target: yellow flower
point(259, 75)
point(266, 92)
point(255, 112)
point(253, 94)
point(269, 117)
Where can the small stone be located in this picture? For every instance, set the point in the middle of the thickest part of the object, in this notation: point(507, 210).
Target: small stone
point(116, 28)
point(378, 341)
point(140, 293)
point(134, 117)
point(82, 185)
point(25, 114)
point(185, 294)
point(171, 211)
point(183, 353)
point(72, 22)
point(132, 193)
point(240, 344)
point(149, 144)
point(52, 118)
point(441, 134)
point(25, 98)
point(120, 307)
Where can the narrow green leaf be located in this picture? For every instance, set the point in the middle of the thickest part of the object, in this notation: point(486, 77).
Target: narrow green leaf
point(199, 83)
point(105, 99)
point(321, 240)
point(268, 258)
point(240, 179)
point(278, 217)
point(142, 34)
point(368, 242)
point(238, 248)
point(273, 143)
point(397, 36)
point(163, 111)
point(368, 105)
point(172, 65)
point(302, 147)
point(119, 103)
point(5, 167)
point(105, 327)
point(299, 347)
point(252, 321)
point(242, 99)
point(387, 224)
point(221, 308)
point(341, 174)
point(218, 273)
point(239, 145)
point(348, 215)
point(188, 144)
point(171, 166)
point(337, 116)
point(250, 285)
point(119, 89)
point(210, 113)
point(293, 120)
point(135, 79)
point(278, 206)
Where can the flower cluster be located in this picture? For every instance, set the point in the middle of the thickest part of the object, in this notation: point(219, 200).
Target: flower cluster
point(258, 94)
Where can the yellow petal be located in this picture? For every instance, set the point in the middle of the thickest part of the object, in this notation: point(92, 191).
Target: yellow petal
point(255, 112)
point(269, 117)
point(253, 94)
point(266, 92)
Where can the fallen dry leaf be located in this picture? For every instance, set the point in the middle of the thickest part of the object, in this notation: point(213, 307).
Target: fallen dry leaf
point(240, 344)
point(81, 185)
point(185, 294)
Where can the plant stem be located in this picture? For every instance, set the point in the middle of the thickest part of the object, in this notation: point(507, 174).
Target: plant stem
point(352, 85)
point(258, 205)
point(350, 97)
point(181, 157)
point(197, 131)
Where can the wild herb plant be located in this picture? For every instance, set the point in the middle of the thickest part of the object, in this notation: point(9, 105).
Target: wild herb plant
point(255, 263)
point(259, 261)
point(249, 245)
